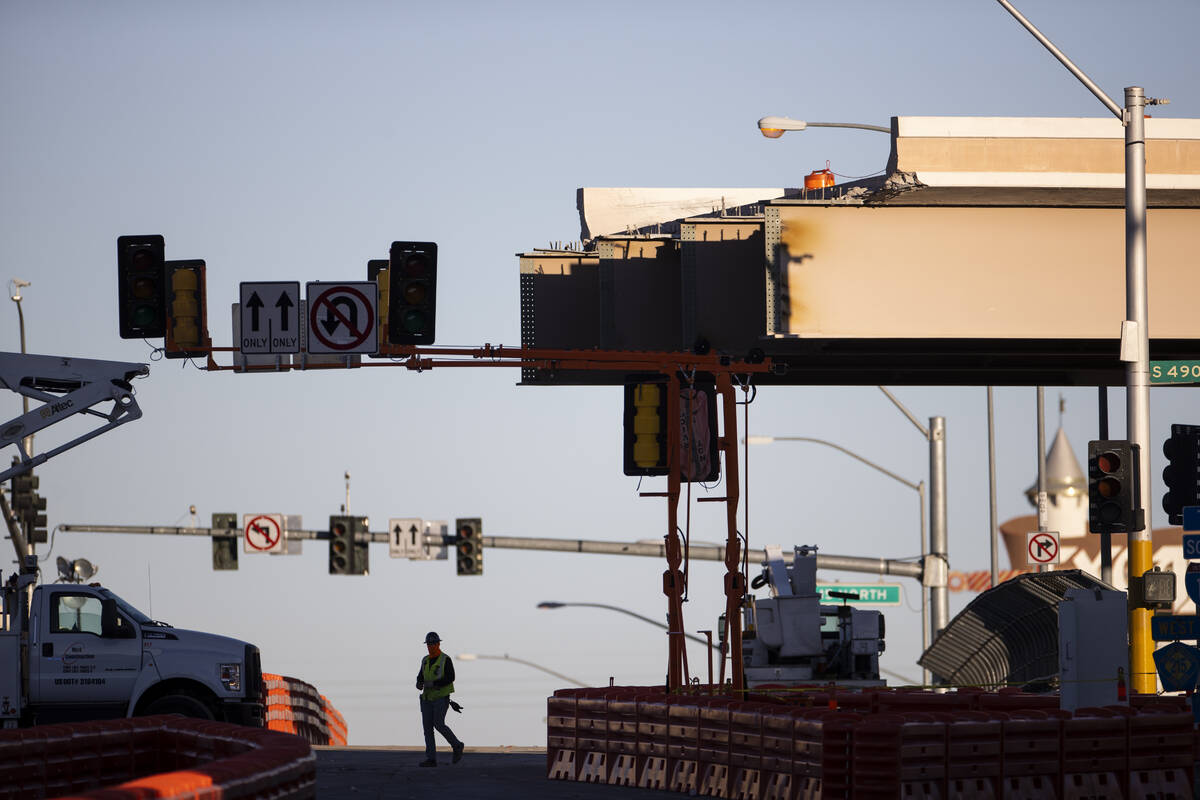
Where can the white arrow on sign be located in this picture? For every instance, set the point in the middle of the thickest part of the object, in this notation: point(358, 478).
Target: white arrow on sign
point(405, 537)
point(270, 317)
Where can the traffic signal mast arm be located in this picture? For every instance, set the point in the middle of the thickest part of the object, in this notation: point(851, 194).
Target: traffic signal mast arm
point(421, 359)
point(702, 552)
point(65, 387)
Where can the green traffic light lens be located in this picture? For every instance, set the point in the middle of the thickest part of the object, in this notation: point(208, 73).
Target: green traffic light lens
point(414, 321)
point(145, 316)
point(1110, 513)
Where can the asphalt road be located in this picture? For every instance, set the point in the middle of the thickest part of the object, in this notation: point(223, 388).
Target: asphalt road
point(486, 773)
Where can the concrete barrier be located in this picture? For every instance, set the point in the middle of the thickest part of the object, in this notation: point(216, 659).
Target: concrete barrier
point(154, 757)
point(878, 743)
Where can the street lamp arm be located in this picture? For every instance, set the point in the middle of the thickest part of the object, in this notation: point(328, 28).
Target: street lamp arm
point(627, 612)
point(1066, 62)
point(507, 657)
point(904, 410)
point(857, 125)
point(916, 487)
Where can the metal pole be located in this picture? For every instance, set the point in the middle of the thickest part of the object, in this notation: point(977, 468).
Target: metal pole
point(1106, 537)
point(1137, 373)
point(926, 675)
point(937, 563)
point(1043, 501)
point(992, 527)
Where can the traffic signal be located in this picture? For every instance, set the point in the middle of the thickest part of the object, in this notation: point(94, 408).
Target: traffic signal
point(347, 556)
point(225, 548)
point(646, 431)
point(1182, 473)
point(468, 541)
point(377, 271)
point(29, 506)
point(412, 292)
point(187, 312)
point(36, 531)
point(141, 294)
point(1114, 493)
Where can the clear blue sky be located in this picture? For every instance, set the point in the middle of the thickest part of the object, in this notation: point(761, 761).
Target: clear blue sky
point(295, 141)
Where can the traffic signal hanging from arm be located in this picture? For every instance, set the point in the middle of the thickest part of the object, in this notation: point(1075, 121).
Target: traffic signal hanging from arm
point(141, 295)
point(468, 541)
point(1114, 493)
point(186, 309)
point(412, 292)
point(29, 506)
point(1182, 473)
point(225, 548)
point(347, 556)
point(646, 431)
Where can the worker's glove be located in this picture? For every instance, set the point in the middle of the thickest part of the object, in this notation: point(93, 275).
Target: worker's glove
point(420, 684)
point(456, 706)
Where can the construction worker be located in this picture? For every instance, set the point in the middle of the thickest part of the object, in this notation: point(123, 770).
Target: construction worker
point(436, 682)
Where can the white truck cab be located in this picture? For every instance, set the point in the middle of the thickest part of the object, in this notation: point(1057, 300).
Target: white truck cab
point(77, 652)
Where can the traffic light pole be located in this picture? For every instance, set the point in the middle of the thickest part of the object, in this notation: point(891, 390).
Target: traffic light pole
point(1135, 338)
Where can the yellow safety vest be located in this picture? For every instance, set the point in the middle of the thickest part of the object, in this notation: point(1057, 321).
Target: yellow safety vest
point(432, 671)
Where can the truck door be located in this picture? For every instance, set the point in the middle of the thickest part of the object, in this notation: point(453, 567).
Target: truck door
point(75, 662)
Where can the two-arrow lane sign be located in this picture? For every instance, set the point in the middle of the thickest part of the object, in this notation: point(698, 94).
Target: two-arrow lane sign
point(270, 318)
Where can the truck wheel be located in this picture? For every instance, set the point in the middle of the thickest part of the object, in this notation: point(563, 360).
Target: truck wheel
point(183, 704)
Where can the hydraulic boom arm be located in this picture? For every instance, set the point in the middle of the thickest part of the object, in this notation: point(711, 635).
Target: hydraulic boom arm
point(65, 387)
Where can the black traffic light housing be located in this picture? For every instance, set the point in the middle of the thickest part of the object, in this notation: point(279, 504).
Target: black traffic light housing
point(1114, 491)
point(1182, 473)
point(29, 506)
point(225, 548)
point(141, 290)
point(646, 430)
point(347, 556)
point(186, 309)
point(412, 292)
point(468, 541)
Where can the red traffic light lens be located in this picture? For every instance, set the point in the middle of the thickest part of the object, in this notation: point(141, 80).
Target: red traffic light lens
point(1108, 462)
point(141, 258)
point(416, 266)
point(1109, 487)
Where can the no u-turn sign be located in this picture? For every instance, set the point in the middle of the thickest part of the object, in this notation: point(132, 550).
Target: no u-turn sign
point(342, 317)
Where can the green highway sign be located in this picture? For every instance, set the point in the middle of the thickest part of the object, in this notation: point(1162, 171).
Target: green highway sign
point(1175, 371)
point(869, 594)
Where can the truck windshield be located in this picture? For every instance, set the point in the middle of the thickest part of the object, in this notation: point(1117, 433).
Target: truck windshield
point(128, 610)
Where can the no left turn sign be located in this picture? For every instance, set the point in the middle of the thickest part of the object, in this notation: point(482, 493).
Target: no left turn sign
point(262, 533)
point(342, 317)
point(1041, 547)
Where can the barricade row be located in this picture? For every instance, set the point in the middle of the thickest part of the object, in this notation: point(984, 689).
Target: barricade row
point(159, 757)
point(294, 706)
point(867, 745)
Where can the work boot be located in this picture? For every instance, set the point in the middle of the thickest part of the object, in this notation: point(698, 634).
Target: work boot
point(458, 751)
point(429, 762)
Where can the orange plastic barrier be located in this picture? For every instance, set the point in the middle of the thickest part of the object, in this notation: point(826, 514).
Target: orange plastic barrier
point(877, 743)
point(154, 757)
point(296, 707)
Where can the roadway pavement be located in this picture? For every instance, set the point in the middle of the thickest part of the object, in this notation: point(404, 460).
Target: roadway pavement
point(485, 773)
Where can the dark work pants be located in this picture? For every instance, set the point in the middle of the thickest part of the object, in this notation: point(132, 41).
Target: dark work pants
point(433, 717)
